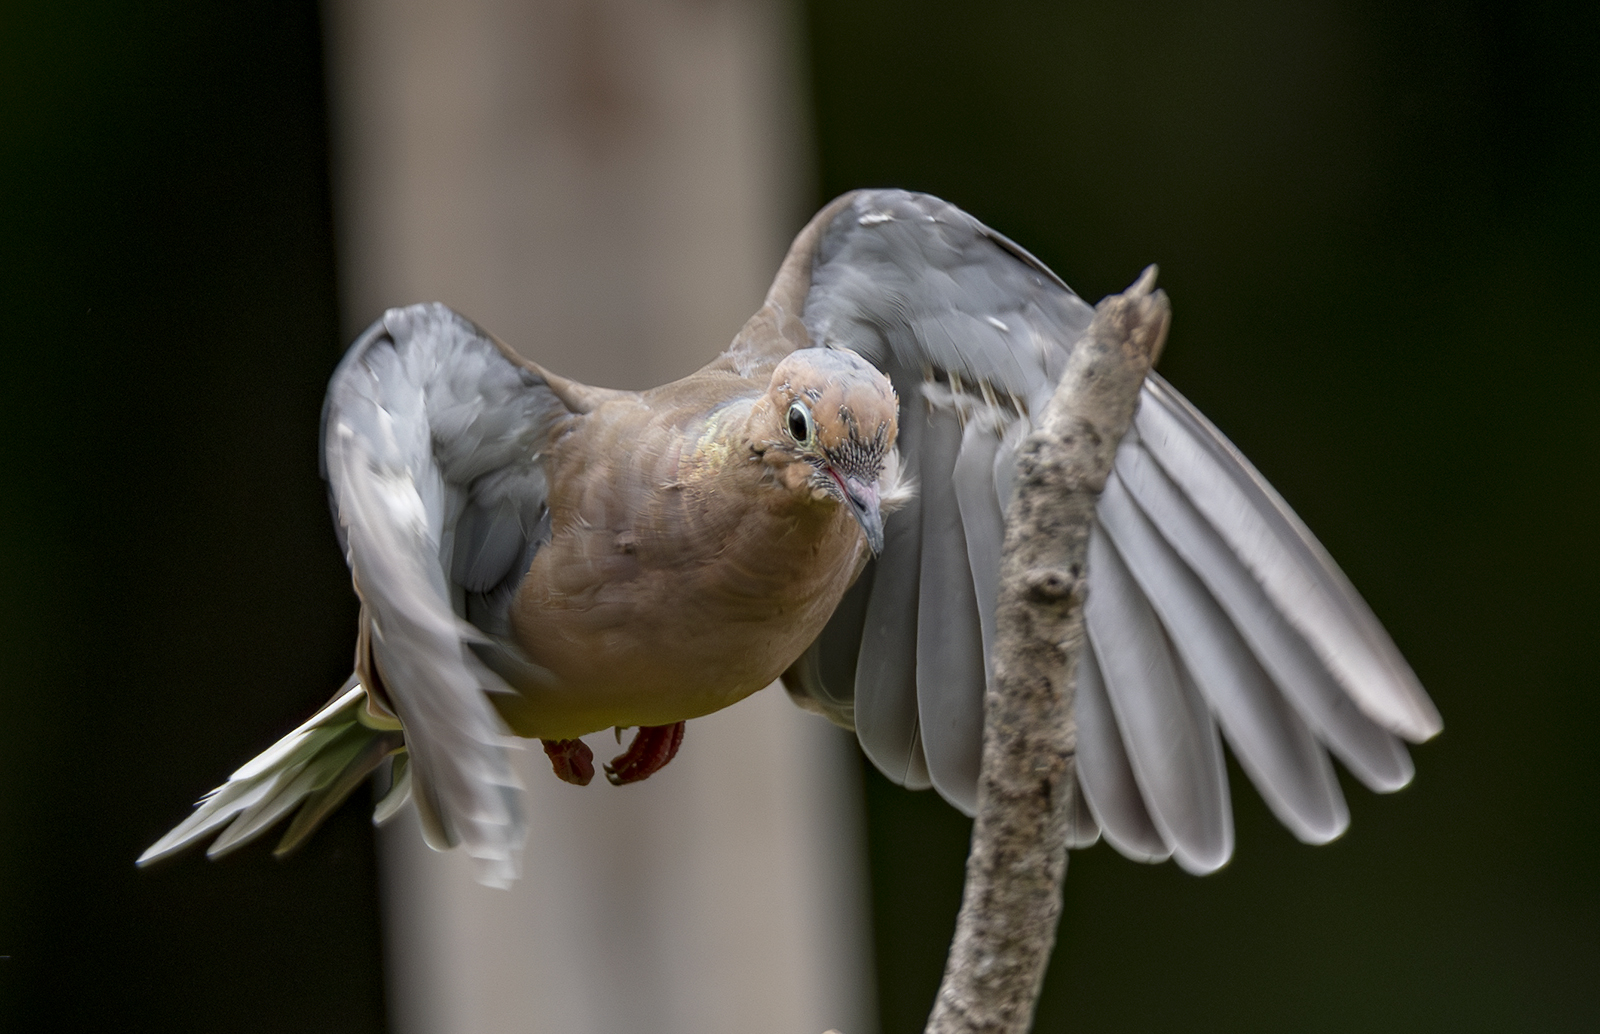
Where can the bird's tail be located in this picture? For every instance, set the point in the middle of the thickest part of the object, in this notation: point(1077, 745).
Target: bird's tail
point(314, 768)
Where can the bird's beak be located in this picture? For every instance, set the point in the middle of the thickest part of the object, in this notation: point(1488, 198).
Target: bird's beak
point(863, 497)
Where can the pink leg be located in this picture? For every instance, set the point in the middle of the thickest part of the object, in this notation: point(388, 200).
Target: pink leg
point(652, 747)
point(572, 760)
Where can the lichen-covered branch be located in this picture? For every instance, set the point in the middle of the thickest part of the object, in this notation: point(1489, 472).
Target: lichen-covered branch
point(1009, 910)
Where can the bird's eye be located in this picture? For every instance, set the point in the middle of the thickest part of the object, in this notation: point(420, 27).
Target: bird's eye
point(800, 426)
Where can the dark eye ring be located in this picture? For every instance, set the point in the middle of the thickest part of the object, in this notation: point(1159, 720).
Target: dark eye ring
point(801, 429)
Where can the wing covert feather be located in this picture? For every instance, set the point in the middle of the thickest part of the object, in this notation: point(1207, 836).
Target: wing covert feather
point(910, 281)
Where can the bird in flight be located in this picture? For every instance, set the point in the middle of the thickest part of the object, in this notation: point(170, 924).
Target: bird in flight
point(823, 503)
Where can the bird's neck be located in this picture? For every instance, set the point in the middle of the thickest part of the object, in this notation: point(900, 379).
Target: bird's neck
point(716, 446)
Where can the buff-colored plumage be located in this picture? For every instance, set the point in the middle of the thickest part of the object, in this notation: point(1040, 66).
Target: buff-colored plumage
point(542, 556)
point(690, 557)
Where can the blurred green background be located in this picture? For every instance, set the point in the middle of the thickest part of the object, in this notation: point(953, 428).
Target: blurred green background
point(1377, 224)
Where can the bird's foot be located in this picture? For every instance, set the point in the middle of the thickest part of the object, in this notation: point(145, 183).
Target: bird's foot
point(652, 747)
point(572, 760)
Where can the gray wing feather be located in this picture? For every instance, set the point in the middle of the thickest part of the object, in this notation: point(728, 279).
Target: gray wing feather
point(429, 440)
point(886, 673)
point(909, 280)
point(950, 656)
point(1301, 579)
point(1105, 775)
point(488, 541)
point(925, 291)
point(823, 680)
point(982, 522)
point(1005, 466)
point(1373, 755)
point(1172, 741)
point(1082, 828)
point(965, 322)
point(1273, 744)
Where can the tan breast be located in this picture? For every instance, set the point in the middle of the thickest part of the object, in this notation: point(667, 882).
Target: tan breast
point(679, 577)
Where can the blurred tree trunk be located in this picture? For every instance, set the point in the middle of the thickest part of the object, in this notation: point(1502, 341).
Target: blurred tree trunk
point(607, 185)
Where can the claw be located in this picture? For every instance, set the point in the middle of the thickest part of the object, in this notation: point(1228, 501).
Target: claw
point(572, 760)
point(652, 747)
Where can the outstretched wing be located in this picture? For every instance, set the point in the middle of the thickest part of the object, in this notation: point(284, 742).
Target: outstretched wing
point(1210, 604)
point(432, 438)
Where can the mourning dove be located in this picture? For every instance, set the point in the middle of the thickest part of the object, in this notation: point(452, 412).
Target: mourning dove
point(823, 502)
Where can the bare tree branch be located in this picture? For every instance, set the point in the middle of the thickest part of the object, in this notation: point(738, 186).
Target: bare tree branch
point(1012, 901)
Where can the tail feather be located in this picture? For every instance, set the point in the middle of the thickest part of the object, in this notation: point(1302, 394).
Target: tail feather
point(399, 790)
point(315, 768)
point(371, 748)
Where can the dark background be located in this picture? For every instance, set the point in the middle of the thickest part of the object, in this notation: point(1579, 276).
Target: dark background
point(1377, 223)
point(171, 594)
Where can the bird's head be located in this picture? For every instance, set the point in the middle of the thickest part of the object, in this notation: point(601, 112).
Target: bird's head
point(827, 427)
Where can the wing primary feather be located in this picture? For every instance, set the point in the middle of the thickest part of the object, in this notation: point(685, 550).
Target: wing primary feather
point(1273, 744)
point(1082, 829)
point(950, 656)
point(917, 775)
point(1171, 740)
point(455, 740)
point(1105, 776)
point(982, 523)
point(1374, 756)
point(886, 671)
point(1288, 561)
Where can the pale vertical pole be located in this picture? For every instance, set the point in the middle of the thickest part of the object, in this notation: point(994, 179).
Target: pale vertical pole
point(607, 185)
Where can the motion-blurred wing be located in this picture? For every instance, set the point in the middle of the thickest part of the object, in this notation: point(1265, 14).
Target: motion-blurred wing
point(1211, 605)
point(432, 438)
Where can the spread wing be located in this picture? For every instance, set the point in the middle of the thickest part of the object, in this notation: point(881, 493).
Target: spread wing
point(432, 436)
point(1211, 606)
